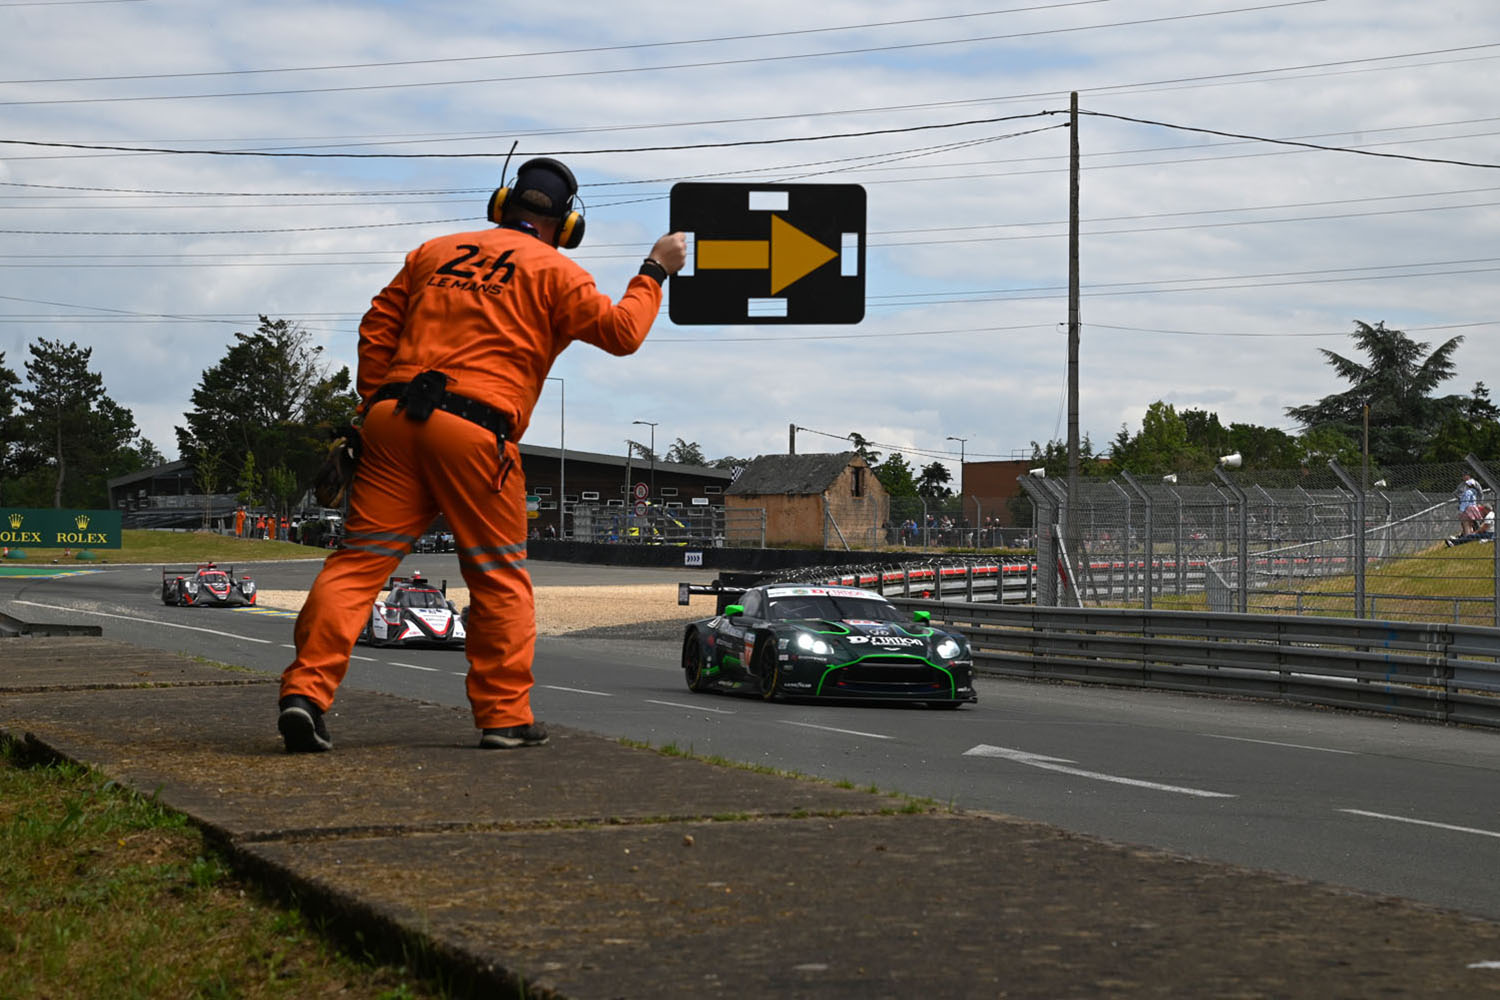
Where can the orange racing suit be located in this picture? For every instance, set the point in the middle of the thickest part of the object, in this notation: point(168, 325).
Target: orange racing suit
point(491, 310)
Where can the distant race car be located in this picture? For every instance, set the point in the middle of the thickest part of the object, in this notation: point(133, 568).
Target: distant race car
point(781, 640)
point(414, 613)
point(206, 586)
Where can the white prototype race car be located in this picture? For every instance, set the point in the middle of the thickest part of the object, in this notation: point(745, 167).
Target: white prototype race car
point(414, 613)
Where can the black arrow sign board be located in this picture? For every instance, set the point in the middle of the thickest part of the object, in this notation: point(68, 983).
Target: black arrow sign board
point(769, 253)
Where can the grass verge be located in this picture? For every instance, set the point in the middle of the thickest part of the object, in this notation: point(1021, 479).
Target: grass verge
point(104, 893)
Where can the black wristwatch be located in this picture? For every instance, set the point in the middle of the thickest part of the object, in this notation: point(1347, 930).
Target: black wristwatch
point(651, 268)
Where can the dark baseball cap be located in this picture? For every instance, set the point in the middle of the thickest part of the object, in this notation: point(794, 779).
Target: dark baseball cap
point(551, 178)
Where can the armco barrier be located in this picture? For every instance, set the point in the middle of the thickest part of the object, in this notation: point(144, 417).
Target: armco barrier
point(1445, 673)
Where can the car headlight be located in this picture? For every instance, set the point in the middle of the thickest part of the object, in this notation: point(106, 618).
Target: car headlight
point(812, 644)
point(247, 586)
point(192, 586)
point(948, 649)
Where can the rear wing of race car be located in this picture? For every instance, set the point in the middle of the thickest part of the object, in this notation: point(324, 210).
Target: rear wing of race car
point(416, 581)
point(166, 571)
point(728, 589)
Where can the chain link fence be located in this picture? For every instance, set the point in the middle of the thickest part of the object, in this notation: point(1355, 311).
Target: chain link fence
point(1384, 543)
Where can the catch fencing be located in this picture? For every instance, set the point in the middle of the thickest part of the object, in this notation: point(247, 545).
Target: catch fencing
point(1301, 542)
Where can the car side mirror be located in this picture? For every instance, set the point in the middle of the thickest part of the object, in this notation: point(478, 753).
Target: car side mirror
point(925, 617)
point(733, 609)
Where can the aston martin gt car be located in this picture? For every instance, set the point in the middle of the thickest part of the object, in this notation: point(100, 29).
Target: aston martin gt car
point(794, 641)
point(414, 613)
point(206, 586)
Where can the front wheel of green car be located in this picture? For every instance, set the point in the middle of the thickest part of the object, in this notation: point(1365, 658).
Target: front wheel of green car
point(766, 667)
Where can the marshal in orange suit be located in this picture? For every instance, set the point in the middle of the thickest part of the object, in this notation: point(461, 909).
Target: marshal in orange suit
point(452, 357)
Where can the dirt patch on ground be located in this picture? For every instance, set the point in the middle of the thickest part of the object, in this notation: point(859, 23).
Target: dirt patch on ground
point(561, 610)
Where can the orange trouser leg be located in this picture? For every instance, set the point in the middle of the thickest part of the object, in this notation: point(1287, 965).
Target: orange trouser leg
point(389, 508)
point(484, 499)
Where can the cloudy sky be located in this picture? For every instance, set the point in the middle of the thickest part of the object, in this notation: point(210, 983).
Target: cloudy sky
point(1221, 246)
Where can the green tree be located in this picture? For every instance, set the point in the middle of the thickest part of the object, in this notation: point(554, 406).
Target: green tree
point(71, 438)
point(271, 395)
point(1393, 390)
point(1161, 445)
point(933, 482)
point(1053, 457)
point(248, 487)
point(686, 453)
point(1263, 447)
point(10, 429)
point(1473, 428)
point(282, 488)
point(895, 474)
point(863, 450)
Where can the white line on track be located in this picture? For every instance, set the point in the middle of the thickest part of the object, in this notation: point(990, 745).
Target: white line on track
point(1274, 743)
point(554, 687)
point(412, 666)
point(695, 708)
point(831, 729)
point(136, 618)
point(1424, 822)
point(1059, 764)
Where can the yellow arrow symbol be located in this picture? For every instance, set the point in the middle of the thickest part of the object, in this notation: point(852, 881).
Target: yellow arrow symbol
point(790, 254)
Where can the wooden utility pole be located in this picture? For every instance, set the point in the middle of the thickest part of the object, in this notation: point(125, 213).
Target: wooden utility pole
point(1070, 520)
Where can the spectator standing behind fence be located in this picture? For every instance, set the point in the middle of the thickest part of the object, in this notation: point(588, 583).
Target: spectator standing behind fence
point(1468, 501)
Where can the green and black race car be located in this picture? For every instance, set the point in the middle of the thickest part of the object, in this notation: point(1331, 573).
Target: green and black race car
point(796, 641)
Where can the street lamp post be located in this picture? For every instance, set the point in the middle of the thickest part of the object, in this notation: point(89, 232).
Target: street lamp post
point(652, 424)
point(961, 442)
point(562, 456)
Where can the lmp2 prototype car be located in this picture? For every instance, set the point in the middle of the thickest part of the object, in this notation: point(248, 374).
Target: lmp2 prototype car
point(783, 640)
point(414, 613)
point(206, 586)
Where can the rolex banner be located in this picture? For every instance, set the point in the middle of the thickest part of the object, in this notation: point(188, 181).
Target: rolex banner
point(50, 528)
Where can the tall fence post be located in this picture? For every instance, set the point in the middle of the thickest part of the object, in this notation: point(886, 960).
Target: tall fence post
point(1487, 480)
point(1243, 554)
point(1150, 537)
point(1045, 506)
point(1179, 542)
point(1358, 539)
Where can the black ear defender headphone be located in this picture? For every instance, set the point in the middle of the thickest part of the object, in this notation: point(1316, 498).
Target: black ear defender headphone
point(556, 181)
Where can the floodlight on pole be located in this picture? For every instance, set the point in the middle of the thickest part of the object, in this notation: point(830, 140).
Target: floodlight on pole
point(961, 442)
point(562, 456)
point(652, 424)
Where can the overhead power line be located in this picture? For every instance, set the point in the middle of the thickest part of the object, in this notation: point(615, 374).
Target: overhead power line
point(505, 153)
point(591, 50)
point(1291, 142)
point(534, 78)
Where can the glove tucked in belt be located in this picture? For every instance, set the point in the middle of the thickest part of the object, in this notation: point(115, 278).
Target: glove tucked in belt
point(425, 393)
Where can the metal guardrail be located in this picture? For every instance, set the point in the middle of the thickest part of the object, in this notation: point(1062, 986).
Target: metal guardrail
point(1434, 671)
point(1011, 581)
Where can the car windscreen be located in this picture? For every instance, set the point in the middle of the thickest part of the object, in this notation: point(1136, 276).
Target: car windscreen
point(833, 608)
point(215, 579)
point(424, 599)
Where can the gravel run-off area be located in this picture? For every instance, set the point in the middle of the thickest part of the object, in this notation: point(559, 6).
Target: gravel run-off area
point(564, 610)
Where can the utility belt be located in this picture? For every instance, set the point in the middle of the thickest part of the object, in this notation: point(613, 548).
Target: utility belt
point(425, 393)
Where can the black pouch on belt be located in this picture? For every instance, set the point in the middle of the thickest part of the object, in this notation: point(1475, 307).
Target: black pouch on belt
point(423, 395)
